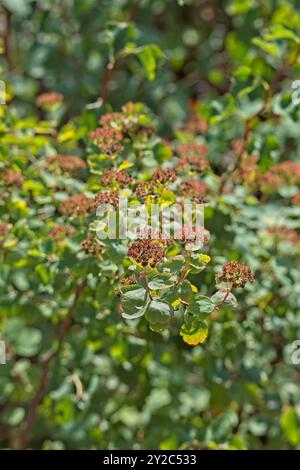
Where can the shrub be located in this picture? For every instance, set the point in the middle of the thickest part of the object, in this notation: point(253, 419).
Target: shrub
point(182, 340)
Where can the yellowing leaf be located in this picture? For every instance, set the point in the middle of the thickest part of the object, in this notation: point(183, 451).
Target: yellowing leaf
point(67, 133)
point(125, 164)
point(10, 243)
point(205, 258)
point(194, 332)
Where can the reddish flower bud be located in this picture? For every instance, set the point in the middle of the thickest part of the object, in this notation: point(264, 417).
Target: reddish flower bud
point(49, 99)
point(11, 177)
point(235, 274)
point(147, 252)
point(193, 155)
point(108, 140)
point(67, 163)
point(60, 232)
point(195, 125)
point(195, 189)
point(119, 177)
point(77, 205)
point(163, 176)
point(91, 246)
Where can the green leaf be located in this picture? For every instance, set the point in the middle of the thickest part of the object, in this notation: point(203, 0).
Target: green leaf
point(222, 426)
point(117, 35)
point(201, 305)
point(149, 56)
point(162, 281)
point(158, 312)
point(239, 7)
point(198, 262)
point(243, 73)
point(268, 47)
point(186, 291)
point(25, 341)
point(134, 302)
point(18, 7)
point(280, 32)
point(290, 425)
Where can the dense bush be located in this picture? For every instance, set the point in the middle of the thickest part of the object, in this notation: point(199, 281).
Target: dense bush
point(157, 343)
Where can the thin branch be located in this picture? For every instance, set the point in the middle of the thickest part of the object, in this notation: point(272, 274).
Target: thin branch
point(272, 88)
point(108, 74)
point(111, 66)
point(134, 10)
point(222, 302)
point(7, 39)
point(23, 440)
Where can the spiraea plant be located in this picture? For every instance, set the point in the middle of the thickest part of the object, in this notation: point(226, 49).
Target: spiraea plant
point(127, 334)
point(154, 268)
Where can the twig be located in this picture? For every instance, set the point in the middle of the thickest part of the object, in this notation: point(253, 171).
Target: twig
point(7, 39)
point(278, 77)
point(147, 284)
point(222, 302)
point(134, 10)
point(108, 74)
point(23, 440)
point(78, 385)
point(111, 66)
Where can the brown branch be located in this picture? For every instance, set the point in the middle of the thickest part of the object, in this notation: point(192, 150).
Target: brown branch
point(7, 39)
point(222, 302)
point(23, 440)
point(134, 10)
point(272, 88)
point(108, 74)
point(111, 66)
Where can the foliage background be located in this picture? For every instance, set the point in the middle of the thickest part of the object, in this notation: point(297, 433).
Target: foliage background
point(112, 385)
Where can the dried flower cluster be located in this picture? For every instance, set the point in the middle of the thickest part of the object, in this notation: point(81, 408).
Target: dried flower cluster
point(11, 177)
point(282, 174)
point(194, 189)
point(91, 246)
point(160, 177)
point(163, 176)
point(134, 121)
point(248, 171)
point(296, 199)
point(285, 234)
point(288, 170)
point(67, 163)
point(144, 189)
point(80, 204)
point(194, 155)
point(77, 205)
point(108, 140)
point(235, 274)
point(147, 252)
point(129, 280)
point(49, 99)
point(191, 233)
point(128, 121)
point(119, 177)
point(4, 229)
point(269, 182)
point(106, 197)
point(60, 232)
point(195, 125)
point(113, 120)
